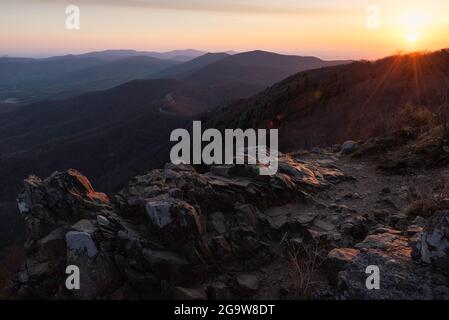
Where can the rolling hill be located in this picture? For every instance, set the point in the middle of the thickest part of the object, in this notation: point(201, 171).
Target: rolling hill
point(62, 80)
point(187, 68)
point(28, 80)
point(247, 73)
point(237, 76)
point(98, 77)
point(108, 133)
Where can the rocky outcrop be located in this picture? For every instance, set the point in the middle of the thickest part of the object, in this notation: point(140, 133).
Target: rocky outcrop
point(225, 232)
point(433, 245)
point(400, 275)
point(165, 235)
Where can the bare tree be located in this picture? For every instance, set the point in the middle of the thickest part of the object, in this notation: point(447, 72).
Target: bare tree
point(444, 114)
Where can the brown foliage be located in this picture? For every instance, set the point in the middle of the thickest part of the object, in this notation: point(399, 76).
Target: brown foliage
point(305, 262)
point(415, 117)
point(426, 198)
point(443, 119)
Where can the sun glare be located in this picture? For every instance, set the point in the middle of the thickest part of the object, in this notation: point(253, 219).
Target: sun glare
point(412, 37)
point(414, 23)
point(415, 20)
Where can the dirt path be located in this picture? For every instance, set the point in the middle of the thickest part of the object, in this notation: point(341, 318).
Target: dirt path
point(370, 190)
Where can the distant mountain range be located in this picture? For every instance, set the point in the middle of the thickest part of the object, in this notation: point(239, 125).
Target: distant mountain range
point(175, 55)
point(45, 136)
point(30, 80)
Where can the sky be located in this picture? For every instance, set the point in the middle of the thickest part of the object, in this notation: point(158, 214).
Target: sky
point(331, 29)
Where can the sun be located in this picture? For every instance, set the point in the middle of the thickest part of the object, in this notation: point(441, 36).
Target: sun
point(412, 37)
point(414, 23)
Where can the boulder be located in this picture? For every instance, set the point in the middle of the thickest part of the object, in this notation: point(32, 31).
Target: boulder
point(349, 147)
point(177, 221)
point(400, 277)
point(79, 243)
point(62, 198)
point(98, 275)
point(434, 243)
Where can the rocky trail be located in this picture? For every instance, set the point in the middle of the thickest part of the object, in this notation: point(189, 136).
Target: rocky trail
point(366, 192)
point(225, 232)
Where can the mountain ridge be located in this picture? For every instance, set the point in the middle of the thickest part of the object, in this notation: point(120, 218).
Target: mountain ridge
point(352, 101)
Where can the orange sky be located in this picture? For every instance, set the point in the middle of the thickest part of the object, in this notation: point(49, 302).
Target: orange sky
point(326, 28)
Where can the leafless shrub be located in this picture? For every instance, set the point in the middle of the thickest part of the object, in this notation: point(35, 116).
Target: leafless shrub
point(443, 115)
point(415, 117)
point(443, 119)
point(305, 262)
point(425, 198)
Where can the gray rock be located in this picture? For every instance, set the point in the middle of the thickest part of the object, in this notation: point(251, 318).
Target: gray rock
point(218, 222)
point(165, 264)
point(102, 221)
point(337, 260)
point(219, 291)
point(224, 171)
point(181, 293)
point(247, 284)
point(434, 244)
point(84, 226)
point(349, 147)
point(324, 225)
point(162, 230)
point(400, 277)
point(80, 243)
point(159, 212)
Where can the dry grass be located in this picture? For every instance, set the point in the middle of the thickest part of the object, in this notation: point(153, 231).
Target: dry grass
point(425, 198)
point(305, 262)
